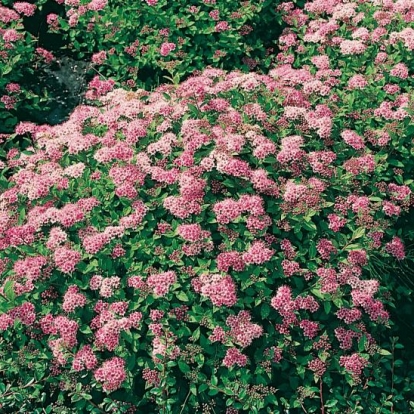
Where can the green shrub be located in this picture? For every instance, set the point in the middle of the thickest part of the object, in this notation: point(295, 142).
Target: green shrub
point(130, 42)
point(146, 41)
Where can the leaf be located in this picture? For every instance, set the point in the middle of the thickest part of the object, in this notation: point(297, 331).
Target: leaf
point(312, 250)
point(309, 226)
point(265, 310)
point(182, 296)
point(361, 343)
point(131, 362)
point(196, 334)
point(384, 352)
point(184, 368)
point(358, 233)
point(9, 291)
point(213, 391)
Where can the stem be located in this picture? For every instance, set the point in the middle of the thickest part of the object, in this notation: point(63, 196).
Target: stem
point(303, 407)
point(321, 396)
point(185, 402)
point(392, 372)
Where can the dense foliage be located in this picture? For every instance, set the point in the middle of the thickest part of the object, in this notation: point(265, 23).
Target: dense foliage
point(136, 43)
point(206, 247)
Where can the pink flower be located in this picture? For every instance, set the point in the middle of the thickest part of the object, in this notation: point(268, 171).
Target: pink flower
point(166, 48)
point(234, 357)
point(352, 47)
point(353, 364)
point(221, 290)
point(258, 253)
point(390, 209)
point(97, 5)
point(335, 222)
point(45, 54)
point(242, 331)
point(222, 26)
point(99, 57)
point(84, 359)
point(190, 232)
point(310, 329)
point(230, 259)
point(11, 35)
point(357, 82)
point(400, 70)
point(227, 211)
point(73, 299)
point(66, 259)
point(396, 248)
point(108, 285)
point(161, 282)
point(13, 87)
point(27, 9)
point(317, 366)
point(111, 374)
point(52, 20)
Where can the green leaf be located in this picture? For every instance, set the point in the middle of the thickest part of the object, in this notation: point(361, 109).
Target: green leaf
point(9, 290)
point(358, 233)
point(184, 368)
point(265, 310)
point(182, 296)
point(213, 391)
point(312, 250)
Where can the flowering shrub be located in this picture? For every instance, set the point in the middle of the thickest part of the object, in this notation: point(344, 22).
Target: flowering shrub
point(15, 51)
point(204, 247)
point(21, 63)
point(137, 43)
point(147, 40)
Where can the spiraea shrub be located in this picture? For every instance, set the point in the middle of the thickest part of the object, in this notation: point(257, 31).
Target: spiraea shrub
point(146, 40)
point(204, 247)
point(135, 43)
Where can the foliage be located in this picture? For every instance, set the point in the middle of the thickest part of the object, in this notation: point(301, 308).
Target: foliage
point(148, 40)
point(206, 247)
point(134, 43)
point(21, 61)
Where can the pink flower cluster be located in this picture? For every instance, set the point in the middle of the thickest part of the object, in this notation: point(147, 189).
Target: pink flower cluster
point(396, 248)
point(25, 313)
point(242, 331)
point(258, 253)
point(221, 290)
point(98, 88)
point(66, 259)
point(354, 364)
point(161, 282)
point(353, 139)
point(167, 48)
point(108, 326)
point(230, 259)
point(106, 285)
point(27, 9)
point(192, 232)
point(111, 374)
point(73, 299)
point(28, 271)
point(84, 359)
point(234, 357)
